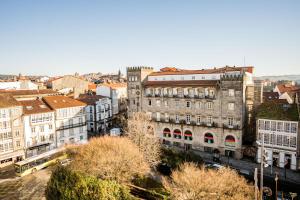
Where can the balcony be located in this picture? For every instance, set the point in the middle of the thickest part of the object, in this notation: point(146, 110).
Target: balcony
point(210, 97)
point(71, 126)
point(233, 127)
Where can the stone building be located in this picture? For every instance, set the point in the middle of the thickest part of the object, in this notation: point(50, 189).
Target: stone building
point(11, 130)
point(75, 83)
point(204, 110)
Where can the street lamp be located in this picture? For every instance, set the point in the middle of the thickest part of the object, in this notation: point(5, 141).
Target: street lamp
point(276, 179)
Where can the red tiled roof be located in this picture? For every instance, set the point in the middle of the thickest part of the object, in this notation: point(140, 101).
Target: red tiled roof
point(90, 99)
point(57, 102)
point(181, 83)
point(92, 86)
point(7, 100)
point(28, 92)
point(34, 106)
point(115, 85)
point(175, 71)
point(287, 88)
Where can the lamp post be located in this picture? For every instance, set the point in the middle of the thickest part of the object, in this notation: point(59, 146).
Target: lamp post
point(276, 179)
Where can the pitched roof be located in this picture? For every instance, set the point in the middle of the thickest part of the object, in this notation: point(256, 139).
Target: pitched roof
point(7, 100)
point(115, 85)
point(90, 99)
point(270, 96)
point(287, 88)
point(35, 106)
point(28, 92)
point(175, 71)
point(181, 83)
point(57, 102)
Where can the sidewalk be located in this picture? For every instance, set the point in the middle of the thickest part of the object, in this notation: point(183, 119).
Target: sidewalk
point(291, 176)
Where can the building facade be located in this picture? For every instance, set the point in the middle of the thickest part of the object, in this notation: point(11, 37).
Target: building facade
point(194, 109)
point(278, 124)
point(98, 112)
point(11, 130)
point(117, 92)
point(70, 119)
point(39, 127)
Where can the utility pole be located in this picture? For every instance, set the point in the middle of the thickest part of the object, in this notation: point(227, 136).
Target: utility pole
point(276, 179)
point(262, 166)
point(255, 180)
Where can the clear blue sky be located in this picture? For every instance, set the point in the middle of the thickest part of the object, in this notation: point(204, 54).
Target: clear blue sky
point(68, 36)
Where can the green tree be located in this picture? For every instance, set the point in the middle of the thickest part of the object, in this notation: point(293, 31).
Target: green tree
point(66, 184)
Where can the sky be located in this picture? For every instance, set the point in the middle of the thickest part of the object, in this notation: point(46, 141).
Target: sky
point(55, 37)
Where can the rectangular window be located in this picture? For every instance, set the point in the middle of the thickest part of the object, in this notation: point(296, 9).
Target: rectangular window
point(158, 116)
point(41, 128)
point(286, 141)
point(149, 102)
point(279, 140)
point(158, 103)
point(33, 129)
point(230, 106)
point(261, 125)
point(294, 127)
point(266, 138)
point(177, 118)
point(293, 142)
point(188, 119)
point(50, 126)
point(273, 126)
point(272, 138)
point(279, 126)
point(166, 117)
point(231, 92)
point(209, 105)
point(287, 127)
point(198, 119)
point(209, 119)
point(267, 125)
point(71, 131)
point(18, 143)
point(188, 104)
point(230, 121)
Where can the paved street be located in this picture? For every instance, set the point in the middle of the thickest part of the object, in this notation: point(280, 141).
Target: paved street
point(30, 187)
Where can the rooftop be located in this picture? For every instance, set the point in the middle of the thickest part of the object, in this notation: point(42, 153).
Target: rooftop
point(7, 100)
point(34, 106)
point(90, 99)
point(287, 88)
point(57, 102)
point(278, 111)
point(181, 83)
point(270, 96)
point(28, 92)
point(176, 71)
point(115, 85)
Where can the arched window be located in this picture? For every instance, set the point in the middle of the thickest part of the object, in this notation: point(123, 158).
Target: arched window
point(209, 138)
point(230, 141)
point(188, 135)
point(167, 132)
point(177, 134)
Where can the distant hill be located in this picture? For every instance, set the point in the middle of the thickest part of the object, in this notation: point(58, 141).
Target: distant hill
point(281, 77)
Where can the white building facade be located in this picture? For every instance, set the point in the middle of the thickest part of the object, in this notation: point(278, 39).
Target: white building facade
point(280, 142)
point(11, 131)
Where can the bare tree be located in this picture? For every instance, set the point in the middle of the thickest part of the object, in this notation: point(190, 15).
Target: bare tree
point(141, 132)
point(190, 182)
point(110, 158)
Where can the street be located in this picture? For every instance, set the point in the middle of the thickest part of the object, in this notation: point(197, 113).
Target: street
point(31, 187)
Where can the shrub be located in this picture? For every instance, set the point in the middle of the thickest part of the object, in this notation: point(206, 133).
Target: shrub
point(66, 184)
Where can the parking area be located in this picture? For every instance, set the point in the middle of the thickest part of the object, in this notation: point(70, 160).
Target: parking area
point(28, 187)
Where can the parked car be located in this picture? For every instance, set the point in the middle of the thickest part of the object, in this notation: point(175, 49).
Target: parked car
point(65, 162)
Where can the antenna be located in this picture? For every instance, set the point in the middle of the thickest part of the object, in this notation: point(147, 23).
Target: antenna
point(244, 61)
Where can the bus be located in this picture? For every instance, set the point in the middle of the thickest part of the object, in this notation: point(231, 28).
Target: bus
point(40, 161)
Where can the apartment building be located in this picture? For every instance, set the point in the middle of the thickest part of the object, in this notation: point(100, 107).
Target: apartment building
point(70, 119)
point(202, 109)
point(98, 112)
point(117, 92)
point(11, 130)
point(39, 127)
point(278, 124)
